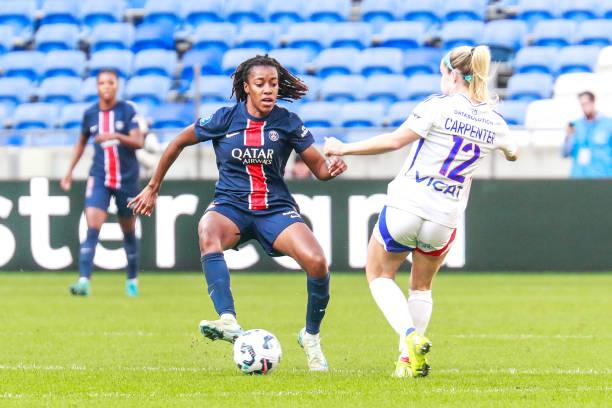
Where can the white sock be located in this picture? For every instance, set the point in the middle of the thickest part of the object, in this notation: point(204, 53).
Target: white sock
point(134, 280)
point(228, 316)
point(420, 304)
point(83, 279)
point(392, 302)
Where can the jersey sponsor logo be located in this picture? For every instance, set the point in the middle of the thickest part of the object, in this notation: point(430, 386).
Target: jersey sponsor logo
point(439, 185)
point(304, 131)
point(273, 135)
point(204, 121)
point(253, 155)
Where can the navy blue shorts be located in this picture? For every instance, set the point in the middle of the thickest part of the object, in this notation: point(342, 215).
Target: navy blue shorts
point(97, 195)
point(264, 228)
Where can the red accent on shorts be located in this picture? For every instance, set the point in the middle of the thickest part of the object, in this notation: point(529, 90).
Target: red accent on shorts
point(439, 252)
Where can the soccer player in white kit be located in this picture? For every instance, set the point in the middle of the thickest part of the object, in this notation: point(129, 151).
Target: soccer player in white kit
point(454, 131)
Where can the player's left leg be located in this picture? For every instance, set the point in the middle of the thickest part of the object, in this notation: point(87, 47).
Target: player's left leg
point(127, 221)
point(298, 242)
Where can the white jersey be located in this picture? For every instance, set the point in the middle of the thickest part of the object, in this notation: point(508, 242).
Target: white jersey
point(456, 135)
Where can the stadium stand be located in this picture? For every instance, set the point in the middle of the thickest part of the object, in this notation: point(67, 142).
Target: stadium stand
point(245, 11)
point(155, 62)
point(399, 111)
point(112, 36)
point(420, 86)
point(343, 88)
point(96, 12)
point(380, 61)
point(285, 12)
point(119, 60)
point(262, 36)
point(336, 61)
point(532, 86)
point(148, 89)
point(60, 90)
point(386, 88)
point(403, 34)
point(60, 12)
point(72, 115)
point(35, 116)
point(69, 63)
point(20, 16)
point(196, 12)
point(14, 91)
point(60, 36)
point(219, 36)
point(26, 64)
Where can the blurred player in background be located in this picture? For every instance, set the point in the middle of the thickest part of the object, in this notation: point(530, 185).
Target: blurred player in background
point(253, 141)
point(455, 131)
point(589, 141)
point(114, 172)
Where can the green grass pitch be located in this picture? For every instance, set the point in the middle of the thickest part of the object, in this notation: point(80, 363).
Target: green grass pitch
point(542, 340)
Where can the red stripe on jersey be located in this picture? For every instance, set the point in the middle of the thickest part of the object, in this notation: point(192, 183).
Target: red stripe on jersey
point(258, 197)
point(111, 152)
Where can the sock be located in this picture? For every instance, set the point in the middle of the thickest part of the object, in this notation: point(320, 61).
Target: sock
point(87, 253)
point(218, 280)
point(392, 302)
point(132, 251)
point(83, 279)
point(420, 304)
point(318, 298)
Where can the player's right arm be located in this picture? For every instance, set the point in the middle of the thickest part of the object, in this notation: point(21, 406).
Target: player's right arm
point(383, 143)
point(77, 153)
point(144, 202)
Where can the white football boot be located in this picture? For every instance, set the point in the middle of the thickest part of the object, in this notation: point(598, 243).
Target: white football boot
point(225, 328)
point(311, 343)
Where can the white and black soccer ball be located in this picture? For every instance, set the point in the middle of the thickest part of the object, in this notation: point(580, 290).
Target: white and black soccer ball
point(257, 351)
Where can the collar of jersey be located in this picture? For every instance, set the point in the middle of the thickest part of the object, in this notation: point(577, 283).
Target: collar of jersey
point(253, 118)
point(468, 99)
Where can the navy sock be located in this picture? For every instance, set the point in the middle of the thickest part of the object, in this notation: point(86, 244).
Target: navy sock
point(132, 251)
point(218, 280)
point(318, 297)
point(87, 253)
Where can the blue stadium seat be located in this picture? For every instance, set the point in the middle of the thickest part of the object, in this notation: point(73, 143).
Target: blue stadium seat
point(35, 116)
point(6, 38)
point(293, 59)
point(26, 64)
point(343, 88)
point(312, 37)
point(155, 62)
point(236, 56)
point(112, 36)
point(71, 116)
point(119, 60)
point(595, 32)
point(530, 87)
point(403, 34)
point(148, 89)
point(285, 12)
point(64, 63)
point(504, 38)
point(59, 36)
point(427, 11)
point(328, 11)
point(362, 114)
point(460, 10)
point(136, 4)
point(386, 88)
point(513, 111)
point(314, 87)
point(380, 61)
point(399, 112)
point(215, 88)
point(337, 61)
point(245, 11)
point(220, 36)
point(95, 12)
point(320, 114)
point(420, 86)
point(458, 33)
point(605, 9)
point(158, 35)
point(577, 58)
point(197, 12)
point(356, 35)
point(172, 116)
point(422, 61)
point(532, 11)
point(15, 90)
point(208, 60)
point(535, 59)
point(379, 12)
point(60, 12)
point(557, 33)
point(6, 112)
point(20, 15)
point(208, 109)
point(162, 12)
point(60, 90)
point(263, 36)
point(580, 10)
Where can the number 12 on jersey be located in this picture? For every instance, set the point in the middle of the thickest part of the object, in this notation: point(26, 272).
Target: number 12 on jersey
point(454, 173)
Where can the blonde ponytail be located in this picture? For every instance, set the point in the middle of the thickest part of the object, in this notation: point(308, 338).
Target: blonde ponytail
point(474, 64)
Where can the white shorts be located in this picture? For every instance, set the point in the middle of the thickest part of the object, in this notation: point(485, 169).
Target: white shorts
point(401, 231)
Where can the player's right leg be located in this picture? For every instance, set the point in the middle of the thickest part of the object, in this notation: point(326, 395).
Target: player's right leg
point(217, 232)
point(97, 198)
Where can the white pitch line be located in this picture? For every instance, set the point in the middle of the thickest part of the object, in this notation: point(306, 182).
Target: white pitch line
point(518, 336)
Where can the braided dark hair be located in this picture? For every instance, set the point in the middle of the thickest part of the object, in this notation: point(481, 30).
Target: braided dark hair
point(290, 87)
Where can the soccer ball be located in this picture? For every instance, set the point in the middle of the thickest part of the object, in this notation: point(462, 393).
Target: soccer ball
point(257, 351)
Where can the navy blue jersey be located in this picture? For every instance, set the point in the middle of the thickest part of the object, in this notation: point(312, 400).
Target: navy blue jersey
point(114, 163)
point(252, 154)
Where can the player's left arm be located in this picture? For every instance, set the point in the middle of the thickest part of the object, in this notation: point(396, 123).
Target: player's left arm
point(321, 168)
point(383, 143)
point(135, 140)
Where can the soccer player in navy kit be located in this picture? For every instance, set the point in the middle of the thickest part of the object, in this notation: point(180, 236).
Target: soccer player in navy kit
point(114, 172)
point(253, 140)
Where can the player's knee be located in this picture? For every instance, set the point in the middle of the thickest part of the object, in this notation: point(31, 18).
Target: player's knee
point(209, 241)
point(317, 265)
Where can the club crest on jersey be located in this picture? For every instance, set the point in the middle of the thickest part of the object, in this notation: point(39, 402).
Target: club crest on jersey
point(204, 121)
point(93, 129)
point(119, 125)
point(273, 135)
point(304, 131)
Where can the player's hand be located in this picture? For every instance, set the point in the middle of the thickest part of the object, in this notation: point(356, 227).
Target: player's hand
point(333, 147)
point(104, 137)
point(336, 166)
point(66, 182)
point(144, 202)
